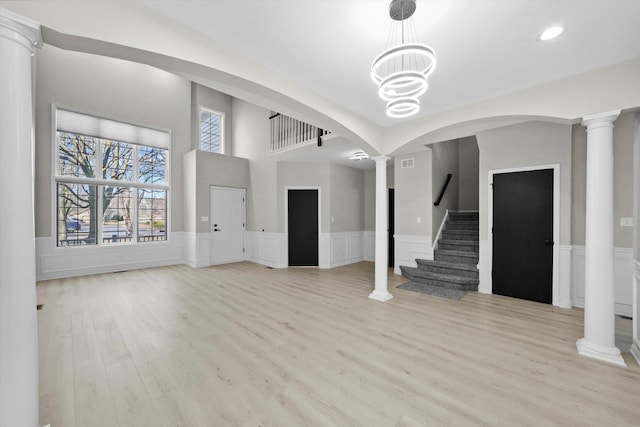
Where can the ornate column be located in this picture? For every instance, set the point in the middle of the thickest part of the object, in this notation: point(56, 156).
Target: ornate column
point(380, 293)
point(599, 290)
point(18, 322)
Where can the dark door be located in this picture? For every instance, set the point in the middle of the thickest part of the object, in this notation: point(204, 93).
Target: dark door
point(523, 235)
point(303, 227)
point(391, 227)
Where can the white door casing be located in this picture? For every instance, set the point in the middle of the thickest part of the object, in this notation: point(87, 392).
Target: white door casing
point(227, 224)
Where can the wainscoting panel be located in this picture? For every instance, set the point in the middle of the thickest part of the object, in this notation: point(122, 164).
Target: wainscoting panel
point(54, 263)
point(635, 346)
point(197, 249)
point(623, 277)
point(268, 249)
point(563, 297)
point(485, 262)
point(409, 248)
point(341, 248)
point(370, 246)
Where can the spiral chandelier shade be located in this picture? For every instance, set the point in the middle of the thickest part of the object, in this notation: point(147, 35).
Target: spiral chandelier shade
point(401, 71)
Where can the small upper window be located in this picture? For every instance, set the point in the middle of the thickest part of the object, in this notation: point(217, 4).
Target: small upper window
point(211, 131)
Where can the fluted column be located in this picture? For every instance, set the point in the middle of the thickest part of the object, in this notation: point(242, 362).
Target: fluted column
point(599, 289)
point(380, 293)
point(18, 323)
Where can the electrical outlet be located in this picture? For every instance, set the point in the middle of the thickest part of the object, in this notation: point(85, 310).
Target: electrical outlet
point(418, 220)
point(626, 222)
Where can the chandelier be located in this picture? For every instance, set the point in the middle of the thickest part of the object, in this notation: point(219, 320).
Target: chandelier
point(401, 71)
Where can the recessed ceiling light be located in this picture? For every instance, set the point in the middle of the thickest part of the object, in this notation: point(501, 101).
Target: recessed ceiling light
point(551, 33)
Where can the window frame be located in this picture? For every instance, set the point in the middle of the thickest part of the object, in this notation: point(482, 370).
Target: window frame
point(134, 184)
point(222, 116)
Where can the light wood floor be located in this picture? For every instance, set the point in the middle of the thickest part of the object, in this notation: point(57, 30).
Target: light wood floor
point(245, 345)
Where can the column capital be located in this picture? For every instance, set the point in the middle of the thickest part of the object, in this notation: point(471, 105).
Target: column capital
point(381, 159)
point(601, 119)
point(23, 31)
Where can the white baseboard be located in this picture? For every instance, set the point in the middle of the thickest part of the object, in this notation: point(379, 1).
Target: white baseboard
point(623, 279)
point(54, 263)
point(409, 248)
point(635, 350)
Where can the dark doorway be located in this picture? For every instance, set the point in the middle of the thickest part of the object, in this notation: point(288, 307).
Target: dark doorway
point(391, 227)
point(303, 227)
point(523, 235)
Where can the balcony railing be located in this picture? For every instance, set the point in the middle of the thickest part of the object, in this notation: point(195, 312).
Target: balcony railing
point(287, 132)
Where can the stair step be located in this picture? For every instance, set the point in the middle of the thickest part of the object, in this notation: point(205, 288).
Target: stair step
point(462, 225)
point(468, 216)
point(459, 245)
point(457, 257)
point(461, 270)
point(460, 235)
point(442, 280)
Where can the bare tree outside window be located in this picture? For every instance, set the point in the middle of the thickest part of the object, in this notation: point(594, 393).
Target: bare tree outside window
point(77, 207)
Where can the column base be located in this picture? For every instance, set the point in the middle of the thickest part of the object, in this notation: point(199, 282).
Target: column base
point(635, 350)
point(595, 351)
point(381, 296)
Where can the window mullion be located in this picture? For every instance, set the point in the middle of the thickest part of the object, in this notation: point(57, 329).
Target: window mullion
point(99, 216)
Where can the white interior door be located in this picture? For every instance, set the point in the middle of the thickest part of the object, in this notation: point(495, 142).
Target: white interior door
point(227, 224)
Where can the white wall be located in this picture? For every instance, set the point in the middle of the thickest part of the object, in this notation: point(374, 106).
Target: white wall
point(623, 180)
point(444, 158)
point(468, 173)
point(528, 145)
point(413, 203)
point(205, 97)
point(115, 89)
point(250, 133)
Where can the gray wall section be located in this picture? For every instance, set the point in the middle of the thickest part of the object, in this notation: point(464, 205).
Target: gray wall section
point(623, 180)
point(468, 172)
point(413, 195)
point(524, 145)
point(205, 97)
point(115, 89)
point(250, 132)
point(444, 158)
point(347, 199)
point(305, 175)
point(212, 170)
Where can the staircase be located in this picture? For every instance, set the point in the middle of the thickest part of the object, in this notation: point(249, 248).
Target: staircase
point(456, 258)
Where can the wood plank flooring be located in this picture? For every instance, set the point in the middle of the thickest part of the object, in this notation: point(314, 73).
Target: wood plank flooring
point(244, 345)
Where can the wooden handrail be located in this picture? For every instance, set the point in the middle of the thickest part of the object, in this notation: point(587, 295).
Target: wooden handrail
point(444, 188)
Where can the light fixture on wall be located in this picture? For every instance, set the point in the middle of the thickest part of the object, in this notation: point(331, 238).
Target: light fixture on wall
point(359, 155)
point(401, 71)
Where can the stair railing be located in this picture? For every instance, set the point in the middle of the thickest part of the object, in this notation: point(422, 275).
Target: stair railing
point(286, 132)
point(444, 188)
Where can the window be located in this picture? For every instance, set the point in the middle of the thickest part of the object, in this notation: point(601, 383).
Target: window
point(211, 131)
point(111, 181)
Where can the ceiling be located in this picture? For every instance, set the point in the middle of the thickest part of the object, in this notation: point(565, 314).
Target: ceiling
point(311, 59)
point(484, 48)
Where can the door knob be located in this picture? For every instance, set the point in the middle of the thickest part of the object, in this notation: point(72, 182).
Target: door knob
point(216, 229)
point(548, 242)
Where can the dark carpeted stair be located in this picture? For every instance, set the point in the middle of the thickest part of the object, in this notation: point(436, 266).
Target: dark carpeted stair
point(456, 258)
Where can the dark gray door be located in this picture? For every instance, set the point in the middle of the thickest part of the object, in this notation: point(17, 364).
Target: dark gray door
point(523, 235)
point(303, 227)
